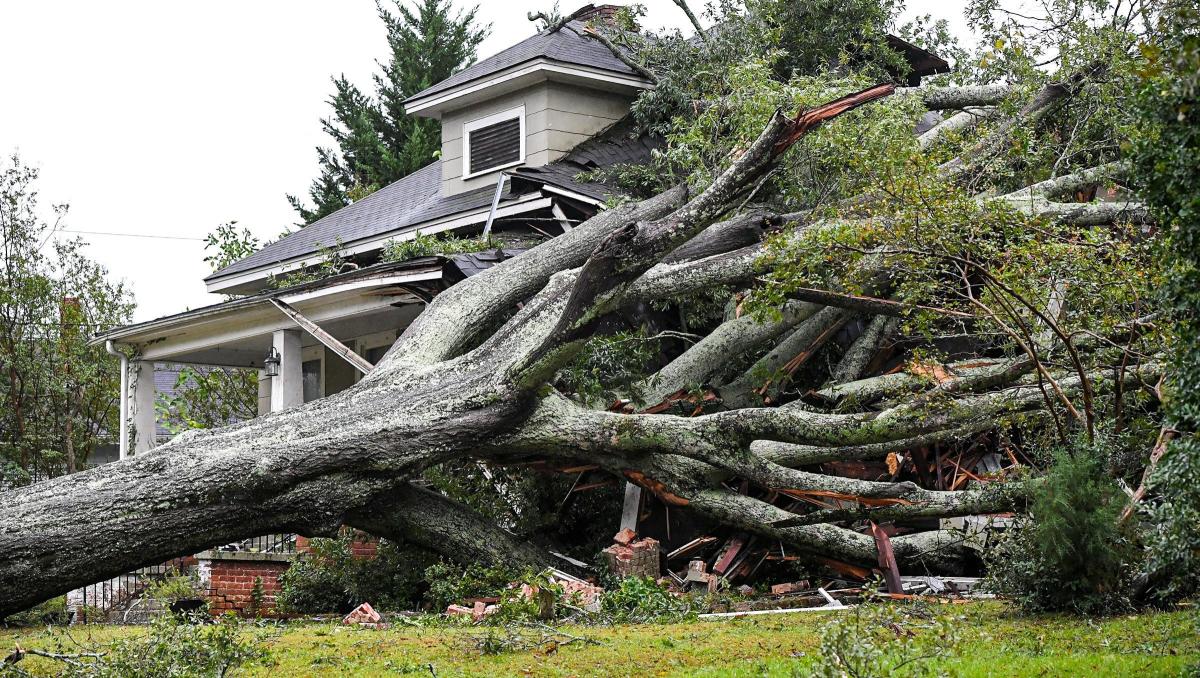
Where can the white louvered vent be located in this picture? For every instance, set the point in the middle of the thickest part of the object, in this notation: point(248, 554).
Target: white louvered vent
point(494, 142)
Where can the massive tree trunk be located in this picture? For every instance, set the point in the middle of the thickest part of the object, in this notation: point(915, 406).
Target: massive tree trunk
point(470, 380)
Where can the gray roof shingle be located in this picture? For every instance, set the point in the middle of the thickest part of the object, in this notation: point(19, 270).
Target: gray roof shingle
point(411, 200)
point(415, 199)
point(620, 144)
point(566, 45)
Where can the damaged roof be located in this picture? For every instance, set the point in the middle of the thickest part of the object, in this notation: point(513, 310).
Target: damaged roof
point(411, 200)
point(415, 199)
point(617, 145)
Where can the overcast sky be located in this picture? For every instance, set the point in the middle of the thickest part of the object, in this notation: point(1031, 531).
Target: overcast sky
point(166, 119)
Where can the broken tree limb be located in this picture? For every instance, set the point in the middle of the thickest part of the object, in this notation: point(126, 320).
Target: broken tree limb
point(1069, 184)
point(682, 4)
point(796, 455)
point(419, 516)
point(870, 305)
point(860, 353)
point(725, 236)
point(748, 389)
point(622, 55)
point(958, 123)
point(945, 98)
point(702, 360)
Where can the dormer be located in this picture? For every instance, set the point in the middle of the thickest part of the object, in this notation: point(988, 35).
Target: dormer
point(528, 105)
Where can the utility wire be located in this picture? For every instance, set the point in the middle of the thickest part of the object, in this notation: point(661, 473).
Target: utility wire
point(133, 235)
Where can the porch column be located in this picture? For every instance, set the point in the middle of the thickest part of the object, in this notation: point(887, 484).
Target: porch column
point(264, 393)
point(141, 374)
point(287, 389)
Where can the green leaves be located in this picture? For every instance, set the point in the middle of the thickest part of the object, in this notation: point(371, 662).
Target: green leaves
point(57, 393)
point(433, 245)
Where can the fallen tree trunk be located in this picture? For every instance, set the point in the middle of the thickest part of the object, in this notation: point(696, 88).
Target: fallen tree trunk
point(470, 379)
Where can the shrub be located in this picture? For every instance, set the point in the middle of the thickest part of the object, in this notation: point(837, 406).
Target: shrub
point(883, 640)
point(53, 612)
point(449, 583)
point(1072, 554)
point(331, 579)
point(641, 600)
point(174, 589)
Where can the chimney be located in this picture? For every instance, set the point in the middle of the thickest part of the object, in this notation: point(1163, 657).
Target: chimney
point(600, 14)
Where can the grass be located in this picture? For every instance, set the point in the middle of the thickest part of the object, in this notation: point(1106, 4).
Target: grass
point(994, 641)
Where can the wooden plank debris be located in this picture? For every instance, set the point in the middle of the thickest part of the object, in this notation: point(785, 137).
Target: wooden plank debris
point(887, 559)
point(331, 342)
point(691, 547)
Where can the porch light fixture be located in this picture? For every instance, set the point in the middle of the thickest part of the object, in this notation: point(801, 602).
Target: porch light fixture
point(271, 363)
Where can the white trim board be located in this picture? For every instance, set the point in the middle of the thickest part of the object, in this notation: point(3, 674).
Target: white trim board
point(435, 104)
point(487, 120)
point(147, 331)
point(525, 203)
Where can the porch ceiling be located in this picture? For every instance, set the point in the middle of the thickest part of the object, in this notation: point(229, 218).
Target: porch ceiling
point(238, 333)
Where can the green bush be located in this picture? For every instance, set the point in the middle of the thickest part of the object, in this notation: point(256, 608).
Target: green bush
point(1072, 554)
point(175, 588)
point(449, 583)
point(884, 640)
point(177, 647)
point(53, 612)
point(641, 600)
point(331, 579)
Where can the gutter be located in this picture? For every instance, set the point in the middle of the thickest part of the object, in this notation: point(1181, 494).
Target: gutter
point(123, 399)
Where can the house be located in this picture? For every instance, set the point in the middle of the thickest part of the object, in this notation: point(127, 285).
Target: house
point(517, 130)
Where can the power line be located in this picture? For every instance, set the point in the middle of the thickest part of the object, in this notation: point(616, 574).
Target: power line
point(133, 235)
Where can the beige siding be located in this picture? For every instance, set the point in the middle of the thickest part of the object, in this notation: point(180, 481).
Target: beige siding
point(557, 118)
point(564, 97)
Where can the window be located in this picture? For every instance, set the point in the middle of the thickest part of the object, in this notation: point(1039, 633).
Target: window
point(374, 355)
point(494, 142)
point(310, 371)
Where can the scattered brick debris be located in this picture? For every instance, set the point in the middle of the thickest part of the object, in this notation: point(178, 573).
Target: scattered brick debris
point(366, 616)
point(790, 587)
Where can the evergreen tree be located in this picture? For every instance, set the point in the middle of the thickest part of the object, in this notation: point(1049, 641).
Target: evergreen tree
point(376, 142)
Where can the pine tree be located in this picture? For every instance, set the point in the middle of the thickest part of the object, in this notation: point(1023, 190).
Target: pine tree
point(376, 141)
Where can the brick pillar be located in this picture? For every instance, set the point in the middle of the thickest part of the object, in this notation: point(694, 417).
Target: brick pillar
point(230, 579)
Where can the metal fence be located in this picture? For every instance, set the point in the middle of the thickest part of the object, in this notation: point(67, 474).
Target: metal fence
point(269, 543)
point(98, 602)
point(111, 600)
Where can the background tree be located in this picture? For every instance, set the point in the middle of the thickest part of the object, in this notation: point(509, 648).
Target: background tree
point(58, 395)
point(1167, 152)
point(376, 141)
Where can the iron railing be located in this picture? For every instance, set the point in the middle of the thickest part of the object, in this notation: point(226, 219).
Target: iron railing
point(100, 601)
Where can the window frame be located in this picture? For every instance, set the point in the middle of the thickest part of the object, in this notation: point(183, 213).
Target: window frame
point(316, 352)
point(472, 125)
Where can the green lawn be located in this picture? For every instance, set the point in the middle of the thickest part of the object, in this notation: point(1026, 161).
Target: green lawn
point(993, 641)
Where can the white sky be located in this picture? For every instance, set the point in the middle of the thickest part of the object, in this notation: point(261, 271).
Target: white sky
point(166, 118)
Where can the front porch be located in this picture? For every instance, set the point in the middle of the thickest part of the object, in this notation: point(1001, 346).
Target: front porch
point(306, 342)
